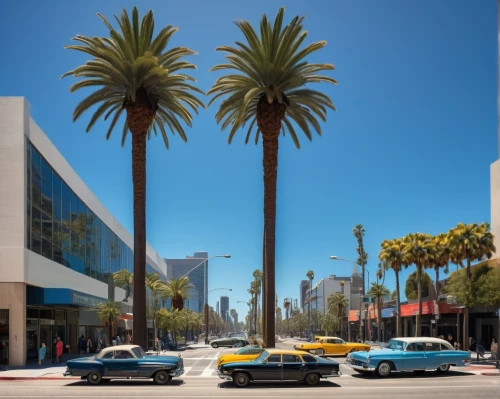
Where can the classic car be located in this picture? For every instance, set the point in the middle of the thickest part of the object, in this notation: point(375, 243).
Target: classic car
point(244, 354)
point(409, 354)
point(125, 361)
point(232, 342)
point(279, 365)
point(331, 346)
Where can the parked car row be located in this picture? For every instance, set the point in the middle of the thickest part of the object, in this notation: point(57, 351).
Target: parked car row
point(253, 363)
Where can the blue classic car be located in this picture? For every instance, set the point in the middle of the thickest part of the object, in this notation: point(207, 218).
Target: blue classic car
point(279, 365)
point(409, 354)
point(125, 361)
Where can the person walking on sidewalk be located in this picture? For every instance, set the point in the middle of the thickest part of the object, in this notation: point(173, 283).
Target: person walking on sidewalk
point(41, 353)
point(4, 354)
point(59, 350)
point(494, 349)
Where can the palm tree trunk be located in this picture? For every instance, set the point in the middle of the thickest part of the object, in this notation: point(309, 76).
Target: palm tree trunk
point(110, 331)
point(139, 181)
point(418, 332)
point(465, 346)
point(379, 317)
point(398, 305)
point(263, 294)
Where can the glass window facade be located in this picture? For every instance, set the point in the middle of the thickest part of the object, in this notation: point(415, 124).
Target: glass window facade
point(62, 228)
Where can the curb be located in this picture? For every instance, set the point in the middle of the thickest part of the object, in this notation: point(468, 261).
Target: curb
point(491, 374)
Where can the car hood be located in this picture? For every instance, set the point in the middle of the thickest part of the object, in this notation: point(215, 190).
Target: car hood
point(375, 353)
point(241, 364)
point(161, 359)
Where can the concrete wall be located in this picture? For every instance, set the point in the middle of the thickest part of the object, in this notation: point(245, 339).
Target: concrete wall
point(13, 297)
point(495, 204)
point(13, 122)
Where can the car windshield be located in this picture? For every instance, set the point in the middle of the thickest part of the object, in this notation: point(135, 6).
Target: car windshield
point(262, 356)
point(243, 351)
point(395, 344)
point(138, 352)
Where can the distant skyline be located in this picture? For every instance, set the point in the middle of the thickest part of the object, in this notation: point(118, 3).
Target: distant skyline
point(408, 149)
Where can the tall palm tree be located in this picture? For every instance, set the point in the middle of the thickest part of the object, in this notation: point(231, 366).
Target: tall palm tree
point(156, 288)
point(441, 257)
point(378, 292)
point(270, 89)
point(177, 290)
point(393, 255)
point(470, 243)
point(109, 313)
point(124, 279)
point(286, 305)
point(420, 249)
point(253, 309)
point(257, 274)
point(135, 73)
point(310, 276)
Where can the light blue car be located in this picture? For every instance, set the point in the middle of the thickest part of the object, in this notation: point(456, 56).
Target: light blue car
point(409, 354)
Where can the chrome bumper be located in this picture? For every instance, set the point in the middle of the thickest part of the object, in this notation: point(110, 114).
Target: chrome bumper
point(224, 376)
point(360, 368)
point(177, 372)
point(67, 373)
point(337, 374)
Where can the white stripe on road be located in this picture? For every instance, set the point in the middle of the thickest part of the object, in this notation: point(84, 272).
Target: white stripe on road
point(208, 370)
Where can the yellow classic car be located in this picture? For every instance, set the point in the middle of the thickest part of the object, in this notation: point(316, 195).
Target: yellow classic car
point(332, 346)
point(243, 355)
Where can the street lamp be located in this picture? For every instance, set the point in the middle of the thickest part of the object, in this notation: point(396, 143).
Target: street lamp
point(333, 257)
point(206, 288)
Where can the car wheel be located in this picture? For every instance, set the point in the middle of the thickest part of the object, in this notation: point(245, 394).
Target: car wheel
point(443, 368)
point(419, 372)
point(312, 379)
point(214, 345)
point(161, 377)
point(94, 378)
point(384, 369)
point(319, 352)
point(241, 380)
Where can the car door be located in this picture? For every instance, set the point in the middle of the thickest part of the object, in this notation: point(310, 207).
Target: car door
point(414, 357)
point(292, 367)
point(270, 369)
point(106, 360)
point(123, 364)
point(434, 357)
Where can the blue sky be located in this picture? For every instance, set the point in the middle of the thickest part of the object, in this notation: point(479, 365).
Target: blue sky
point(409, 148)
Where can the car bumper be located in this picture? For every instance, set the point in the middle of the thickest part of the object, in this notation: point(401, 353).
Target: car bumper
point(224, 376)
point(358, 367)
point(67, 373)
point(337, 374)
point(177, 372)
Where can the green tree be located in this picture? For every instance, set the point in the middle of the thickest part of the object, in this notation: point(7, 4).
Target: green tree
point(441, 257)
point(270, 91)
point(176, 289)
point(133, 72)
point(337, 304)
point(156, 289)
point(411, 286)
point(286, 305)
point(109, 313)
point(124, 279)
point(310, 276)
point(257, 275)
point(420, 249)
point(470, 243)
point(378, 292)
point(329, 322)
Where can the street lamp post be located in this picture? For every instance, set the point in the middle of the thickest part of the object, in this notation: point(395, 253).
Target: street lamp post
point(206, 288)
point(333, 257)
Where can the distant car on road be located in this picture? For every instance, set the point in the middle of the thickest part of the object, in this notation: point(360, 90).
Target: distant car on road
point(232, 342)
point(332, 346)
point(409, 354)
point(280, 365)
point(125, 361)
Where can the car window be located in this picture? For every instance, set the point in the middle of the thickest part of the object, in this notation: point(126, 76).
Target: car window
point(139, 353)
point(244, 351)
point(274, 359)
point(123, 355)
point(395, 344)
point(291, 359)
point(415, 347)
point(432, 346)
point(262, 356)
point(330, 341)
point(254, 351)
point(338, 341)
point(108, 355)
point(308, 359)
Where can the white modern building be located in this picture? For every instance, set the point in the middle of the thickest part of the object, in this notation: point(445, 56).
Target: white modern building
point(327, 286)
point(58, 244)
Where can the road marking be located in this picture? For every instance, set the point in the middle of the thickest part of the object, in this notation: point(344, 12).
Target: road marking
point(208, 370)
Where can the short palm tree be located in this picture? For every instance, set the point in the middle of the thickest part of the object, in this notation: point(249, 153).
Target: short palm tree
point(420, 249)
point(109, 313)
point(124, 279)
point(269, 90)
point(393, 255)
point(470, 243)
point(286, 305)
point(134, 73)
point(176, 289)
point(310, 276)
point(378, 292)
point(337, 304)
point(441, 257)
point(156, 289)
point(257, 274)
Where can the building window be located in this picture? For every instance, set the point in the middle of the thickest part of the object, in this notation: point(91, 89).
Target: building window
point(36, 178)
point(46, 187)
point(56, 197)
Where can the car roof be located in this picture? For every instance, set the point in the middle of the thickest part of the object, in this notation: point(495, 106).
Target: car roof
point(285, 351)
point(116, 348)
point(410, 340)
point(328, 337)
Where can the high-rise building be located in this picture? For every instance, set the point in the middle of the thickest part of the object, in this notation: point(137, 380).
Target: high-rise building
point(304, 286)
point(235, 317)
point(177, 268)
point(217, 309)
point(224, 308)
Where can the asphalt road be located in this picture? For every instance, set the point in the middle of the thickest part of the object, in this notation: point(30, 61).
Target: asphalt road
point(200, 380)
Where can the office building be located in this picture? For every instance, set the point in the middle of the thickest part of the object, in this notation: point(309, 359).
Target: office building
point(235, 316)
point(195, 267)
point(59, 245)
point(304, 286)
point(224, 308)
point(217, 310)
point(322, 289)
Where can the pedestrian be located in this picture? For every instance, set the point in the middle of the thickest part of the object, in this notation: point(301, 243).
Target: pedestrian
point(4, 354)
point(89, 345)
point(494, 349)
point(128, 339)
point(81, 345)
point(118, 340)
point(158, 346)
point(451, 340)
point(59, 350)
point(41, 353)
